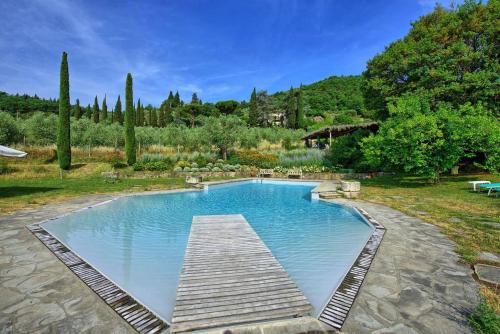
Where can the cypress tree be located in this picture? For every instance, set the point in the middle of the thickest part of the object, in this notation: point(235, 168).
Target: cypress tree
point(194, 99)
point(88, 112)
point(169, 118)
point(129, 122)
point(63, 128)
point(177, 99)
point(291, 110)
point(95, 111)
point(252, 116)
point(300, 110)
point(104, 111)
point(118, 117)
point(161, 118)
point(170, 99)
point(154, 118)
point(78, 110)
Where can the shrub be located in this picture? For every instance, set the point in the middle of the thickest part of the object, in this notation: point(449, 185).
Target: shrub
point(484, 319)
point(195, 169)
point(151, 157)
point(9, 132)
point(116, 162)
point(183, 164)
point(157, 166)
point(254, 158)
point(178, 169)
point(216, 169)
point(186, 169)
point(204, 169)
point(194, 165)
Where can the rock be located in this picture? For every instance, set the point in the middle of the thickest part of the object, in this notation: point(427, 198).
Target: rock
point(414, 302)
point(487, 273)
point(490, 257)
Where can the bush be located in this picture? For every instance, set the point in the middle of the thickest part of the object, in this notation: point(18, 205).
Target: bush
point(484, 319)
point(204, 169)
point(254, 158)
point(183, 164)
point(186, 169)
point(9, 132)
point(152, 157)
point(116, 162)
point(178, 169)
point(216, 169)
point(158, 166)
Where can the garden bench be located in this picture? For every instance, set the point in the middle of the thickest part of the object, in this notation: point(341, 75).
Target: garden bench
point(294, 173)
point(266, 173)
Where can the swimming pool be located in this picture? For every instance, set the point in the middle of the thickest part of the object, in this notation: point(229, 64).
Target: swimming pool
point(138, 242)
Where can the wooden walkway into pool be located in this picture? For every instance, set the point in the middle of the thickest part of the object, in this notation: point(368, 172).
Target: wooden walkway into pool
point(229, 277)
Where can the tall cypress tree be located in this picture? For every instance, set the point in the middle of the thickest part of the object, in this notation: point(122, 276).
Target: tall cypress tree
point(63, 128)
point(129, 122)
point(161, 117)
point(291, 110)
point(194, 99)
point(88, 112)
point(154, 118)
point(95, 111)
point(170, 99)
point(300, 110)
point(78, 110)
point(177, 100)
point(104, 111)
point(252, 116)
point(118, 117)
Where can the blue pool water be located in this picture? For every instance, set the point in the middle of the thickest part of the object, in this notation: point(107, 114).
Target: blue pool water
point(139, 241)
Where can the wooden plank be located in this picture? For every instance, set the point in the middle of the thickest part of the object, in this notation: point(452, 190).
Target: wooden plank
point(229, 276)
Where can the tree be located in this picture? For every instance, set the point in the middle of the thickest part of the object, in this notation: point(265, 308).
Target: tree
point(416, 139)
point(227, 107)
point(117, 116)
point(291, 110)
point(300, 109)
point(252, 116)
point(104, 111)
point(78, 110)
point(63, 126)
point(9, 131)
point(177, 100)
point(194, 99)
point(153, 118)
point(95, 111)
point(88, 112)
point(161, 118)
point(222, 132)
point(262, 109)
point(448, 56)
point(170, 99)
point(129, 122)
point(139, 114)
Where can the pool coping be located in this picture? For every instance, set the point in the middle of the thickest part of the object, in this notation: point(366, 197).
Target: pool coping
point(141, 318)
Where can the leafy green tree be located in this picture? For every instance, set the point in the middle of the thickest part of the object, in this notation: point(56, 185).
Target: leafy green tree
point(417, 140)
point(253, 113)
point(222, 132)
point(104, 111)
point(63, 125)
point(9, 131)
point(78, 110)
point(448, 56)
point(227, 107)
point(117, 115)
point(95, 111)
point(291, 110)
point(130, 152)
point(41, 129)
point(346, 151)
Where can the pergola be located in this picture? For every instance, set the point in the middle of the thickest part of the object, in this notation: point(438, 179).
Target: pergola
point(337, 131)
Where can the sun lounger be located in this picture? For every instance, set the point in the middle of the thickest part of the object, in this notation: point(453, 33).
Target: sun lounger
point(475, 184)
point(490, 187)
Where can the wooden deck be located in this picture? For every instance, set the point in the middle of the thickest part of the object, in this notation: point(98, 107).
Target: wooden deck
point(229, 277)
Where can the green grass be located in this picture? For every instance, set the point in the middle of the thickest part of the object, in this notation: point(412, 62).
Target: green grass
point(484, 319)
point(471, 219)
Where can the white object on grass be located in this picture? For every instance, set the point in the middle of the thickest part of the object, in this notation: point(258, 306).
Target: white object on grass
point(10, 152)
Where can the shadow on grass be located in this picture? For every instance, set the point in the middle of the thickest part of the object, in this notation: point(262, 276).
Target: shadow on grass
point(77, 166)
point(6, 192)
point(402, 181)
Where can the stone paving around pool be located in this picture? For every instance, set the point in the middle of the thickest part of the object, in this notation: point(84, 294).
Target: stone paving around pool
point(416, 283)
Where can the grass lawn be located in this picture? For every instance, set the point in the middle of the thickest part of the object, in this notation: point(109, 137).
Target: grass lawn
point(470, 219)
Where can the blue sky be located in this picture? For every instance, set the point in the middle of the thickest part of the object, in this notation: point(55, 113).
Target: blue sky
point(220, 49)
